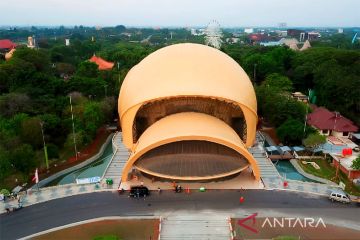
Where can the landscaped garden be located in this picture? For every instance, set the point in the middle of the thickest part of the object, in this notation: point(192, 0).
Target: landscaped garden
point(327, 171)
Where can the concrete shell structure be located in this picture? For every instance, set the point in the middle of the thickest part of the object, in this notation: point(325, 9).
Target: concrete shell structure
point(182, 95)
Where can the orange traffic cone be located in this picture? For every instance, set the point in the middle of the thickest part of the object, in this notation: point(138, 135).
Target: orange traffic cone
point(188, 190)
point(242, 199)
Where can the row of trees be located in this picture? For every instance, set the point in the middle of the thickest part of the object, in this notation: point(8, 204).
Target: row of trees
point(35, 95)
point(332, 74)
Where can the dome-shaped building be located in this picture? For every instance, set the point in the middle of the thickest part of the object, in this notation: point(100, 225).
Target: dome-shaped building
point(188, 112)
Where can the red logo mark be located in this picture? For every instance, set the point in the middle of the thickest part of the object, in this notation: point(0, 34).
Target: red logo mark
point(242, 222)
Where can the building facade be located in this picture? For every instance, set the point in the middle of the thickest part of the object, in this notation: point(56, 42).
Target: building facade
point(188, 112)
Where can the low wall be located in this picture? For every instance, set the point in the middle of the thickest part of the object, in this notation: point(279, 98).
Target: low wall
point(80, 165)
point(350, 174)
point(310, 176)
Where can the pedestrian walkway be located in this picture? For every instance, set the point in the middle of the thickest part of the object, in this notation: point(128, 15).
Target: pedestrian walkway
point(267, 168)
point(198, 227)
point(34, 196)
point(117, 162)
point(293, 185)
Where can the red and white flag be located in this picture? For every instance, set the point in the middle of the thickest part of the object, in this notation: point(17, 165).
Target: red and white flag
point(36, 176)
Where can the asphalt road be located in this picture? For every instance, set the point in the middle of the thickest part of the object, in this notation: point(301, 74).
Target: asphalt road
point(43, 216)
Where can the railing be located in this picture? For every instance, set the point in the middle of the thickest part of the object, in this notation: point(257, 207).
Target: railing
point(73, 168)
point(107, 167)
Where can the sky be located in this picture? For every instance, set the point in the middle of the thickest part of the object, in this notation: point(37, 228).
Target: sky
point(185, 13)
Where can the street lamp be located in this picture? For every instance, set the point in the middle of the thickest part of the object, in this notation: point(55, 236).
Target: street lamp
point(45, 148)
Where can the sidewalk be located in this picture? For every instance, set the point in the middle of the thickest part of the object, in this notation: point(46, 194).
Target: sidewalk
point(51, 193)
point(299, 186)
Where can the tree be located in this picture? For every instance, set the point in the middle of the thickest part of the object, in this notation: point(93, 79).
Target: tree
point(5, 165)
point(356, 163)
point(79, 138)
point(31, 132)
point(93, 118)
point(277, 106)
point(291, 131)
point(23, 158)
point(13, 103)
point(278, 81)
point(37, 57)
point(314, 140)
point(87, 69)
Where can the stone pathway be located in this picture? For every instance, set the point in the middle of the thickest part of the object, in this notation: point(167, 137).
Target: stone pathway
point(194, 226)
point(117, 162)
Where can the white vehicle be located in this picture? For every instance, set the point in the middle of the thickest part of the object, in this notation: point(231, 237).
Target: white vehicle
point(339, 196)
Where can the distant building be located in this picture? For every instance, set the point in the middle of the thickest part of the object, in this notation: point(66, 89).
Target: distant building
point(300, 97)
point(248, 30)
point(197, 32)
point(281, 33)
point(313, 35)
point(331, 123)
point(303, 35)
point(31, 42)
point(103, 64)
point(232, 40)
point(292, 43)
point(6, 45)
point(289, 41)
point(306, 45)
point(9, 54)
point(340, 30)
point(294, 33)
point(67, 42)
point(259, 37)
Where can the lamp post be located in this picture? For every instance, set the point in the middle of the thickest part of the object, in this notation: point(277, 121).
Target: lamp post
point(45, 148)
point(73, 127)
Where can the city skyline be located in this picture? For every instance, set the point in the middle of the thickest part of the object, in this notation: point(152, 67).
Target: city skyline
point(146, 13)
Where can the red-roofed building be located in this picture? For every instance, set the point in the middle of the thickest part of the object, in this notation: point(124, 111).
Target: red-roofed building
point(103, 64)
point(331, 123)
point(6, 45)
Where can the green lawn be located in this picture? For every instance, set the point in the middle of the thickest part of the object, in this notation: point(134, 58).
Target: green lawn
point(329, 172)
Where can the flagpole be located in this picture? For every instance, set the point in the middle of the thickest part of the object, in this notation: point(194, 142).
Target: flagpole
point(73, 126)
point(45, 148)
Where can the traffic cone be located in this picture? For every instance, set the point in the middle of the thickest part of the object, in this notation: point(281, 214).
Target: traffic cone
point(285, 184)
point(188, 190)
point(242, 199)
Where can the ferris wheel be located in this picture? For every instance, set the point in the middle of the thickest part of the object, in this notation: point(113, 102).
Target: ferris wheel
point(213, 34)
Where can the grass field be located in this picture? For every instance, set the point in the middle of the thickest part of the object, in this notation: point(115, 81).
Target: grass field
point(122, 229)
point(329, 172)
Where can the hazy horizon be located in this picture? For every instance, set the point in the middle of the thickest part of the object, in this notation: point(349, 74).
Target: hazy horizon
point(186, 13)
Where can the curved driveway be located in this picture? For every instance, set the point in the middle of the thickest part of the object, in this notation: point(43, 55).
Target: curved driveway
point(43, 216)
